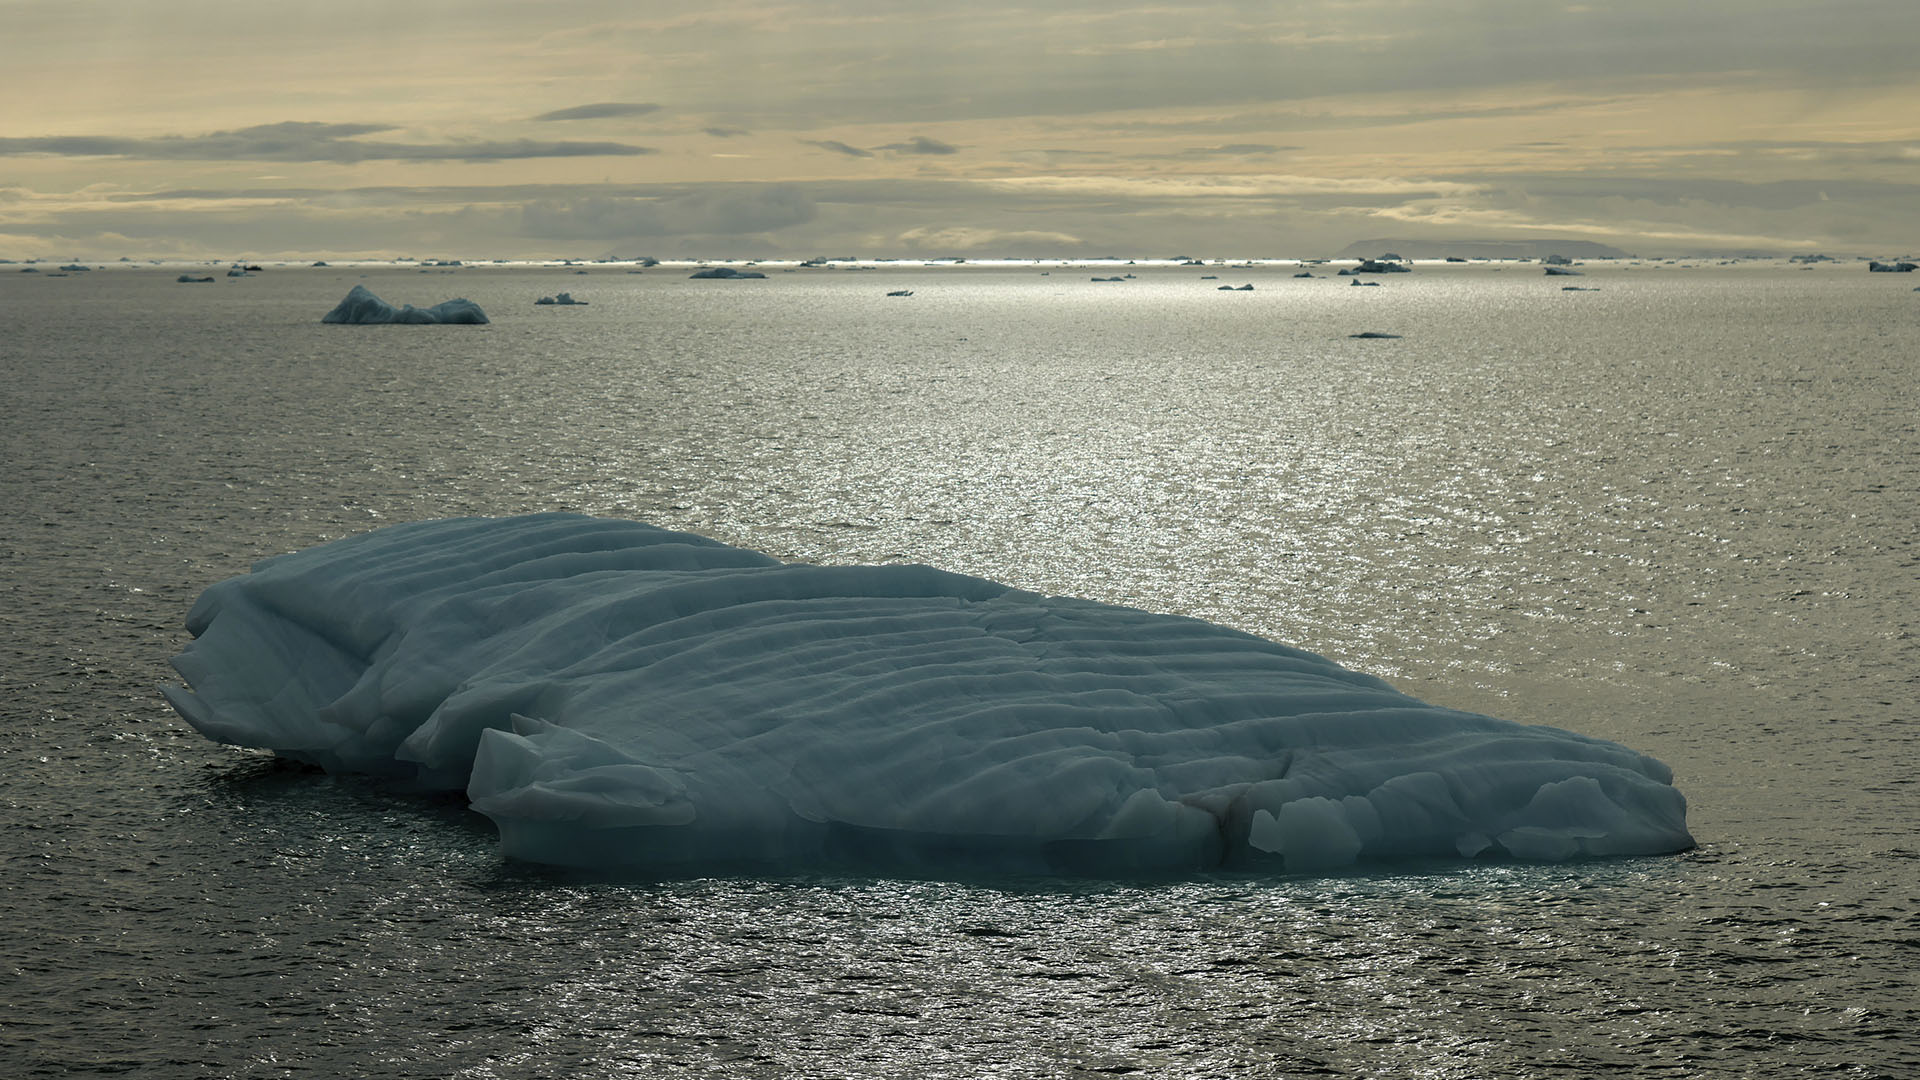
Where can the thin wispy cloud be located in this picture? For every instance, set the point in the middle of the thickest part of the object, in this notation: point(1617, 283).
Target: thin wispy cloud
point(600, 111)
point(1234, 150)
point(920, 144)
point(838, 147)
point(305, 141)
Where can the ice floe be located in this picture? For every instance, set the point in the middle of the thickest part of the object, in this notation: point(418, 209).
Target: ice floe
point(616, 695)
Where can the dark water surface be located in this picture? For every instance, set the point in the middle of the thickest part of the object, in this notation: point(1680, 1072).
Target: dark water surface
point(1679, 512)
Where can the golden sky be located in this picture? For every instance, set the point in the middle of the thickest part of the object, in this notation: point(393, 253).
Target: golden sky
point(483, 129)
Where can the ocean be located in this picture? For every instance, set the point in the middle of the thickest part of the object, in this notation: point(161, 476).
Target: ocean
point(1677, 508)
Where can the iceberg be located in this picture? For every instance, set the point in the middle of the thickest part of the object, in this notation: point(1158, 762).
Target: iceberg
point(622, 697)
point(361, 307)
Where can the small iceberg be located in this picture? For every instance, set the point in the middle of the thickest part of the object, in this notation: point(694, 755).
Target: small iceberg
point(189, 279)
point(1372, 334)
point(563, 300)
point(901, 292)
point(1236, 288)
point(362, 308)
point(1357, 281)
point(1561, 271)
point(725, 272)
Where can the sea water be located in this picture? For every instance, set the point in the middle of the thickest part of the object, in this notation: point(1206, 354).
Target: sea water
point(1678, 511)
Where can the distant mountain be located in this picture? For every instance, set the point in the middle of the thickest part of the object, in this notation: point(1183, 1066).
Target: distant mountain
point(1480, 249)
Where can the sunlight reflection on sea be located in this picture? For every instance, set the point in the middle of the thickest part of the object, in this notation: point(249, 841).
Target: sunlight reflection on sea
point(1677, 511)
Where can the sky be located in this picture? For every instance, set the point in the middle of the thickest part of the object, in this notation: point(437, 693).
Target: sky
point(982, 128)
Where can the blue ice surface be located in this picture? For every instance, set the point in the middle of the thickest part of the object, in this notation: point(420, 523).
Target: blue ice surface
point(619, 696)
point(360, 307)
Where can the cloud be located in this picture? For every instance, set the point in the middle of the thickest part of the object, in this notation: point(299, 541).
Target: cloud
point(920, 144)
point(303, 141)
point(1247, 186)
point(724, 210)
point(964, 238)
point(1234, 150)
point(601, 111)
point(726, 132)
point(1281, 216)
point(838, 147)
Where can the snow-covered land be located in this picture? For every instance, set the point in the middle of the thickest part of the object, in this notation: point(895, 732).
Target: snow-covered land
point(361, 307)
point(613, 694)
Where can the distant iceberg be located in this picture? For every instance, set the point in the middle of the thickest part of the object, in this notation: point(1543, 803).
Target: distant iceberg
point(615, 695)
point(726, 272)
point(563, 300)
point(362, 308)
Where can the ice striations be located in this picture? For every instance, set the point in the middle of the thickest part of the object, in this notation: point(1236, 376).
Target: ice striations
point(615, 695)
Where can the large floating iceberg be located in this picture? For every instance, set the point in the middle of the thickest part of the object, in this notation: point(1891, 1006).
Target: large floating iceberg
point(615, 695)
point(360, 307)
